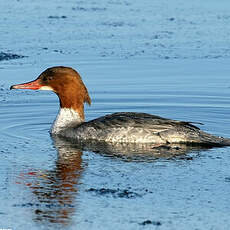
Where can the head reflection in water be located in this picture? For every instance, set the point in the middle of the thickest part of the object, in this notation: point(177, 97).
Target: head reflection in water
point(55, 190)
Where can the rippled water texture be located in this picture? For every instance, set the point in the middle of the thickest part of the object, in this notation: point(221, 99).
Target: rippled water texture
point(165, 59)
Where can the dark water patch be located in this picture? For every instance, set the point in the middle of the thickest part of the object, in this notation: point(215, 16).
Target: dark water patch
point(57, 17)
point(113, 24)
point(171, 19)
point(9, 56)
point(227, 179)
point(58, 51)
point(150, 222)
point(116, 193)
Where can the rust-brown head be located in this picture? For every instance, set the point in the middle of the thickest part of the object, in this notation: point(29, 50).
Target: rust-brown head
point(66, 83)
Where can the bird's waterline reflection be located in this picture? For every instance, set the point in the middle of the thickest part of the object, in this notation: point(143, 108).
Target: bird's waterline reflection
point(55, 191)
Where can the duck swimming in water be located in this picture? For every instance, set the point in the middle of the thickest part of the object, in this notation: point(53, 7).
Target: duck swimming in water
point(121, 127)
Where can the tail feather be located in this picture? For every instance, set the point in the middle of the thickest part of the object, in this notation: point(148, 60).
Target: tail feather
point(211, 140)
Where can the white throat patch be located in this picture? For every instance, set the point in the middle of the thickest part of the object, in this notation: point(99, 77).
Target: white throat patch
point(66, 118)
point(46, 88)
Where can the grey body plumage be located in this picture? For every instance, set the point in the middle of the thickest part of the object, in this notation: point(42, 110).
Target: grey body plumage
point(132, 127)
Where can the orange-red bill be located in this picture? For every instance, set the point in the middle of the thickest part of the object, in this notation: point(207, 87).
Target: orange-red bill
point(29, 85)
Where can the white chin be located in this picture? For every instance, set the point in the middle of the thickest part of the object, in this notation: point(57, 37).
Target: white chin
point(46, 88)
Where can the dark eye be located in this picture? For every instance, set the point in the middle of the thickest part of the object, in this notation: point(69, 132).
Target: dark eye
point(47, 78)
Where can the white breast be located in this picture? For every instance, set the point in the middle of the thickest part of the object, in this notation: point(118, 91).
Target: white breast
point(66, 118)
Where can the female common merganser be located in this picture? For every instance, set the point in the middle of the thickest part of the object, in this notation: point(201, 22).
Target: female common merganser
point(124, 127)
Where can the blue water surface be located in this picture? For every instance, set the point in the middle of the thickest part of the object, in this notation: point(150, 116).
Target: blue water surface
point(168, 59)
